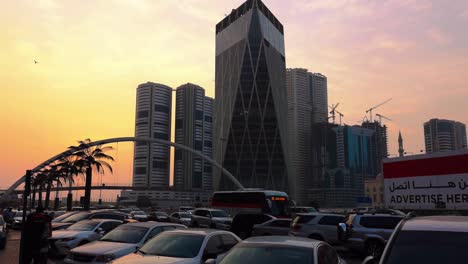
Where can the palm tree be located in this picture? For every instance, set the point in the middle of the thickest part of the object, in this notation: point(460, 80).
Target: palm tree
point(89, 158)
point(38, 183)
point(71, 168)
point(54, 173)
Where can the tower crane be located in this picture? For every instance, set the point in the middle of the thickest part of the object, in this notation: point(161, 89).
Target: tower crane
point(377, 106)
point(382, 116)
point(333, 110)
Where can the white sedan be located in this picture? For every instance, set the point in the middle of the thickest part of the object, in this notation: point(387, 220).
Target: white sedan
point(121, 241)
point(83, 232)
point(183, 247)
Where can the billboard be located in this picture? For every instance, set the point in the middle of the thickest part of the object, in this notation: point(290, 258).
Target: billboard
point(431, 181)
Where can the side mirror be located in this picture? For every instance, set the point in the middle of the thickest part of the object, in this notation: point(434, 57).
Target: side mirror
point(370, 260)
point(210, 261)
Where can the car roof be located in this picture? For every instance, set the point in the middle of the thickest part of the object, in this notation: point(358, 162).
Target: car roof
point(208, 209)
point(437, 223)
point(282, 241)
point(150, 224)
point(199, 231)
point(100, 220)
point(319, 214)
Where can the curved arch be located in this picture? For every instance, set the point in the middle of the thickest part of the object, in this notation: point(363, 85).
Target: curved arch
point(126, 139)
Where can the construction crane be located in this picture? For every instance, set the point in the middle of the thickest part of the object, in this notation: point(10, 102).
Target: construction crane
point(340, 114)
point(333, 110)
point(377, 106)
point(382, 116)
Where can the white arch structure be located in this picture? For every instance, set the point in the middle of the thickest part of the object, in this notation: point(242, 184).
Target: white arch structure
point(69, 152)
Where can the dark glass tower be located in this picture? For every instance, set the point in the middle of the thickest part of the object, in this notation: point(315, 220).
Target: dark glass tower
point(251, 99)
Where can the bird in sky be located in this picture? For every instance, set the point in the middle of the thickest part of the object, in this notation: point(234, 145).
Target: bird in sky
point(36, 62)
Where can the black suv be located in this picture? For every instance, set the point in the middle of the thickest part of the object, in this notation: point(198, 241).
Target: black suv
point(242, 224)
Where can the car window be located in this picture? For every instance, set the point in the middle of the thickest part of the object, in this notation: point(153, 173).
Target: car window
point(327, 255)
point(281, 223)
point(214, 246)
point(269, 255)
point(384, 222)
point(168, 228)
point(228, 241)
point(107, 226)
point(303, 219)
point(108, 216)
point(331, 220)
point(154, 233)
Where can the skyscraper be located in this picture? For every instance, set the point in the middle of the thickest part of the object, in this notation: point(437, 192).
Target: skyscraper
point(307, 104)
point(380, 149)
point(153, 120)
point(444, 135)
point(192, 109)
point(208, 143)
point(251, 100)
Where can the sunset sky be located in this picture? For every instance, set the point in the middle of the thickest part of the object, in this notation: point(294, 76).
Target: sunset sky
point(93, 54)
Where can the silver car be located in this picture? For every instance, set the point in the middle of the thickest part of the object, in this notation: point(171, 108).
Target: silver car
point(83, 232)
point(211, 218)
point(281, 249)
point(274, 227)
point(183, 247)
point(121, 241)
point(184, 218)
point(318, 226)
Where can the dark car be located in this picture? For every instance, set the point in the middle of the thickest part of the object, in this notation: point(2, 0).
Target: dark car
point(243, 223)
point(159, 217)
point(100, 214)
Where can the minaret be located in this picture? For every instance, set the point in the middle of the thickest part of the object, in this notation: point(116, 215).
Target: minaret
point(401, 150)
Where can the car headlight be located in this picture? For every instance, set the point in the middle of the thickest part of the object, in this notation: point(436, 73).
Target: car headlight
point(66, 239)
point(105, 258)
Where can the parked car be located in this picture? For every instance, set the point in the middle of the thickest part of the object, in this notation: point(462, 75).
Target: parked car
point(368, 233)
point(62, 241)
point(17, 222)
point(121, 241)
point(318, 226)
point(139, 216)
point(302, 209)
point(98, 214)
point(274, 227)
point(64, 216)
point(183, 218)
point(3, 233)
point(429, 240)
point(183, 246)
point(281, 249)
point(242, 224)
point(159, 216)
point(186, 208)
point(211, 218)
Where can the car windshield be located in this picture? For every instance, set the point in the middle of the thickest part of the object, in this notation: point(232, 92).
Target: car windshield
point(219, 214)
point(412, 247)
point(83, 226)
point(62, 217)
point(139, 213)
point(76, 218)
point(177, 245)
point(269, 255)
point(126, 234)
point(184, 215)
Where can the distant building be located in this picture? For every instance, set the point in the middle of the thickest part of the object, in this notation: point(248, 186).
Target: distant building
point(380, 142)
point(319, 97)
point(152, 120)
point(167, 198)
point(401, 150)
point(193, 129)
point(442, 135)
point(375, 190)
point(251, 100)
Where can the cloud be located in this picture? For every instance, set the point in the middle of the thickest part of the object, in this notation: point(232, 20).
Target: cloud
point(437, 36)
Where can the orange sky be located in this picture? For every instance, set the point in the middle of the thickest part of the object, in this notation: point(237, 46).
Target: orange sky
point(93, 54)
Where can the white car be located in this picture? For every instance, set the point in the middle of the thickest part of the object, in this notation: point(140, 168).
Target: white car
point(183, 247)
point(280, 249)
point(121, 241)
point(139, 216)
point(184, 218)
point(83, 232)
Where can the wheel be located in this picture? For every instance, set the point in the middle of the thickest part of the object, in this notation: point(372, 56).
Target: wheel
point(374, 248)
point(316, 237)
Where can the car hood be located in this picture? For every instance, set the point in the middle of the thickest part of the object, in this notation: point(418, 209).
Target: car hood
point(68, 233)
point(222, 219)
point(57, 225)
point(140, 259)
point(105, 247)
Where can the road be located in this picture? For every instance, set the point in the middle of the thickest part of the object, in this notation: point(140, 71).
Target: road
point(11, 253)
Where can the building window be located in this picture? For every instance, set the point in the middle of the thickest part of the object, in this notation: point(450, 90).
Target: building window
point(178, 154)
point(208, 119)
point(140, 170)
point(159, 135)
point(179, 124)
point(161, 108)
point(207, 169)
point(161, 124)
point(208, 144)
point(140, 158)
point(198, 145)
point(142, 114)
point(198, 115)
point(159, 164)
point(141, 123)
point(141, 143)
